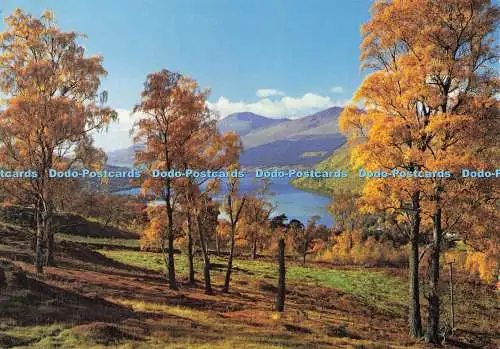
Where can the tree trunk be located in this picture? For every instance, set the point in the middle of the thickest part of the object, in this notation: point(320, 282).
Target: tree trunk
point(172, 284)
point(39, 253)
point(49, 235)
point(254, 249)
point(414, 318)
point(40, 227)
point(191, 280)
point(280, 299)
point(206, 258)
point(229, 263)
point(432, 335)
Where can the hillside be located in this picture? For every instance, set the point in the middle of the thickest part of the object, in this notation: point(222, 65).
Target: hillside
point(244, 123)
point(104, 295)
point(272, 142)
point(323, 123)
point(340, 159)
point(124, 157)
point(303, 151)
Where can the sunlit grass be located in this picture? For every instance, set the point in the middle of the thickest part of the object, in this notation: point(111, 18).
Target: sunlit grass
point(131, 243)
point(35, 332)
point(143, 306)
point(373, 287)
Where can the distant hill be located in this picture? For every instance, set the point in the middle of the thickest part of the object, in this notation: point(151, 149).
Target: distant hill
point(303, 151)
point(322, 123)
point(244, 123)
point(124, 157)
point(272, 142)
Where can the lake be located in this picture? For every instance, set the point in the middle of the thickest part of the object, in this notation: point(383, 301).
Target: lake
point(293, 202)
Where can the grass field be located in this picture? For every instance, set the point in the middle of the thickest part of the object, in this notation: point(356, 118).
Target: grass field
point(106, 294)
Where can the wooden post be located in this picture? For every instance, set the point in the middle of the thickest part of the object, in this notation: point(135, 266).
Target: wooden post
point(280, 299)
point(452, 305)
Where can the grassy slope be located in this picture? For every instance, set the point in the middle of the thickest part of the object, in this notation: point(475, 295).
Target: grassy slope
point(339, 160)
point(387, 293)
point(326, 307)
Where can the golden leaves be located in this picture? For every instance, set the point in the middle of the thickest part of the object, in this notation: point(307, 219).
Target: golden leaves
point(427, 102)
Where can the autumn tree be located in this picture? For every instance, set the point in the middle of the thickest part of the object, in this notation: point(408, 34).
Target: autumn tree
point(169, 110)
point(235, 202)
point(160, 128)
point(209, 151)
point(344, 209)
point(479, 230)
point(256, 213)
point(53, 104)
point(205, 213)
point(222, 232)
point(429, 105)
point(179, 134)
point(309, 238)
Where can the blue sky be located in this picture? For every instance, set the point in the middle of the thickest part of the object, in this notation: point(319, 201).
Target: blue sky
point(273, 57)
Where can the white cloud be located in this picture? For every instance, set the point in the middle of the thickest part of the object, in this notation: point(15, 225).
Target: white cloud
point(336, 89)
point(117, 136)
point(286, 106)
point(269, 92)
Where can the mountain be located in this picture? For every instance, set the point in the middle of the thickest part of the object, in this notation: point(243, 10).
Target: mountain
point(303, 151)
point(318, 124)
point(302, 141)
point(272, 142)
point(244, 123)
point(124, 156)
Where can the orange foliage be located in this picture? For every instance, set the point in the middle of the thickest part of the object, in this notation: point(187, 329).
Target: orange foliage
point(153, 237)
point(350, 248)
point(483, 265)
point(53, 104)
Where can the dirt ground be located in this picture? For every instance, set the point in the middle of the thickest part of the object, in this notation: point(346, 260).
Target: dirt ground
point(91, 300)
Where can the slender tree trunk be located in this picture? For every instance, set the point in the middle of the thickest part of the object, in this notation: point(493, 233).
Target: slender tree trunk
point(254, 249)
point(432, 335)
point(280, 299)
point(39, 239)
point(206, 258)
point(50, 258)
point(414, 318)
point(229, 263)
point(191, 280)
point(304, 252)
point(172, 284)
point(39, 251)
